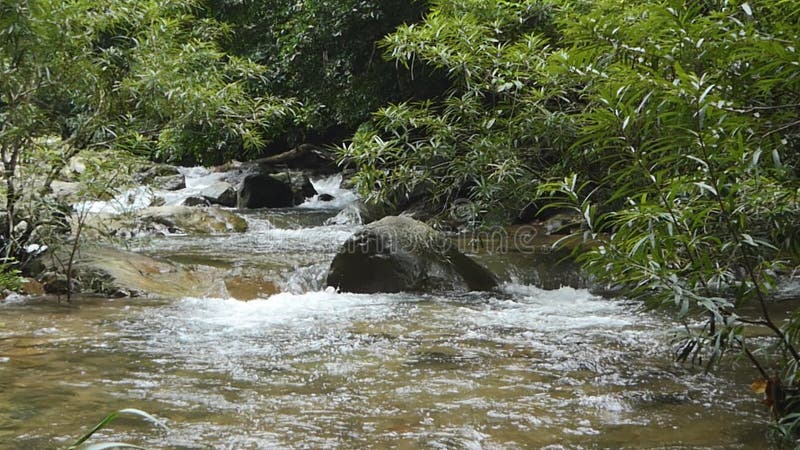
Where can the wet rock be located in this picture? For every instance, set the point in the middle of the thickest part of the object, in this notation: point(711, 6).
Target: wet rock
point(326, 197)
point(169, 182)
point(277, 190)
point(300, 184)
point(264, 191)
point(148, 175)
point(165, 220)
point(58, 284)
point(31, 287)
point(220, 193)
point(119, 273)
point(242, 288)
point(350, 215)
point(196, 201)
point(370, 212)
point(399, 253)
point(194, 220)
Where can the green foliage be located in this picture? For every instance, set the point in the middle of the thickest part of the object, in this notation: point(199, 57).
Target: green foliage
point(506, 118)
point(322, 52)
point(691, 114)
point(672, 126)
point(148, 74)
point(144, 76)
point(79, 444)
point(9, 277)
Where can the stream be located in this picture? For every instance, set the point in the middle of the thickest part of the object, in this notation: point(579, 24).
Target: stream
point(517, 368)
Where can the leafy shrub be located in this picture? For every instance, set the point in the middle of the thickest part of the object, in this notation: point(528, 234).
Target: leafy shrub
point(9, 277)
point(670, 126)
point(691, 112)
point(505, 121)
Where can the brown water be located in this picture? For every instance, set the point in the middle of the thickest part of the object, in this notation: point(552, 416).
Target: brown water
point(518, 368)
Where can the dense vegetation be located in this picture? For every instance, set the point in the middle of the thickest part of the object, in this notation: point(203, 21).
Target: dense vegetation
point(672, 124)
point(323, 53)
point(146, 77)
point(669, 127)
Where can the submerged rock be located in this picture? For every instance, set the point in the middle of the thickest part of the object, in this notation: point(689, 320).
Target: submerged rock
point(399, 253)
point(277, 190)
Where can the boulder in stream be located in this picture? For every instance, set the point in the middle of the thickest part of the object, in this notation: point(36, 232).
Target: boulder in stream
point(149, 174)
point(220, 193)
point(277, 190)
point(398, 253)
point(194, 220)
point(121, 273)
point(170, 182)
point(195, 200)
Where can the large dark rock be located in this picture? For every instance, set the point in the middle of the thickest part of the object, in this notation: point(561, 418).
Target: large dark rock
point(399, 253)
point(300, 184)
point(195, 200)
point(274, 190)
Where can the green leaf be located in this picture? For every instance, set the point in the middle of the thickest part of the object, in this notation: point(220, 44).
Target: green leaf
point(112, 417)
point(110, 445)
point(706, 187)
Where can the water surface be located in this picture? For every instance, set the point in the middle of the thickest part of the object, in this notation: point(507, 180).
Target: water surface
point(310, 368)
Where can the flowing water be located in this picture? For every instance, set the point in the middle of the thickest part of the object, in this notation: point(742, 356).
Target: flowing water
point(310, 368)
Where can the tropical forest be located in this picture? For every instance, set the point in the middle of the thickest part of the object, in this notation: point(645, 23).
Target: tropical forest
point(399, 224)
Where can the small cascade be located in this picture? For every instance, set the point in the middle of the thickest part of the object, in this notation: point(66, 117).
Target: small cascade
point(349, 215)
point(305, 279)
point(197, 179)
point(288, 247)
point(131, 200)
point(330, 188)
point(134, 199)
